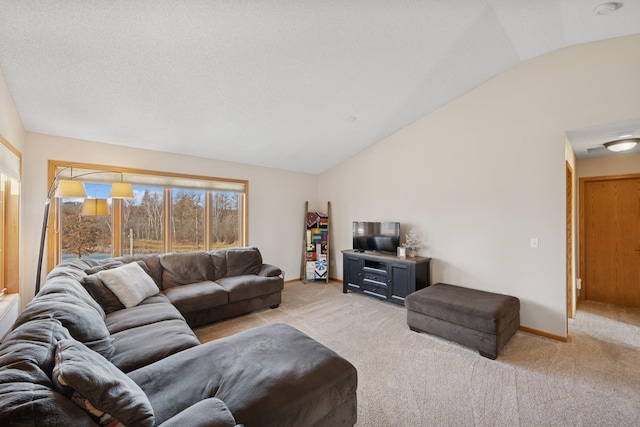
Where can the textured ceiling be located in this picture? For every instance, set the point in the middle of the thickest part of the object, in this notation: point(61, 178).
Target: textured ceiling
point(297, 85)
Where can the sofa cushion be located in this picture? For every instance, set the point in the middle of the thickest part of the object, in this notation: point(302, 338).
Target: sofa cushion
point(27, 358)
point(27, 353)
point(103, 295)
point(197, 296)
point(247, 287)
point(243, 261)
point(142, 345)
point(152, 261)
point(28, 404)
point(185, 268)
point(72, 268)
point(66, 285)
point(219, 261)
point(83, 322)
point(98, 387)
point(106, 265)
point(143, 314)
point(130, 283)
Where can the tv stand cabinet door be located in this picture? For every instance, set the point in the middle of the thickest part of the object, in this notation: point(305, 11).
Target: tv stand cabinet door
point(353, 273)
point(401, 281)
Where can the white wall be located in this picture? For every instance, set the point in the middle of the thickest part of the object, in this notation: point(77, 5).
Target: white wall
point(485, 173)
point(276, 197)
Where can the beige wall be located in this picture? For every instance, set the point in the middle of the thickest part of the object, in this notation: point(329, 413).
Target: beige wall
point(620, 164)
point(276, 197)
point(478, 178)
point(12, 130)
point(485, 173)
point(10, 124)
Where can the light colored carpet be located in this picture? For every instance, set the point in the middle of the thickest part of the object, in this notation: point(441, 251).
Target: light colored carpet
point(411, 379)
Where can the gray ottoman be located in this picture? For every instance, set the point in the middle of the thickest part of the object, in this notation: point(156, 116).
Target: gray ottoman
point(481, 320)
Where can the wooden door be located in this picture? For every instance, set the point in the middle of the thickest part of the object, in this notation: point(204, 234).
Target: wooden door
point(610, 239)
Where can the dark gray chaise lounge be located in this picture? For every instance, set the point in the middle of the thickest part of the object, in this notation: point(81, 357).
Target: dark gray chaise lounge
point(481, 320)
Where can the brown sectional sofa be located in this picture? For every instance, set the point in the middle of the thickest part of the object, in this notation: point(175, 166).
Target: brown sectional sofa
point(78, 356)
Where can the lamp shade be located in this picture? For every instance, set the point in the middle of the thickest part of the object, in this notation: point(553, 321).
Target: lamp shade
point(121, 190)
point(70, 189)
point(622, 144)
point(95, 207)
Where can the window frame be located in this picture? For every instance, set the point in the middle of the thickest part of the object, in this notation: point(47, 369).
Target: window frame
point(53, 231)
point(11, 171)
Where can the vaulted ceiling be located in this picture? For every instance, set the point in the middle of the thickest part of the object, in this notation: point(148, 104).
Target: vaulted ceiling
point(292, 84)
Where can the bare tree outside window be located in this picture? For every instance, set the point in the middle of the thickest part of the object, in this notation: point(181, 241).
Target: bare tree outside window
point(225, 219)
point(187, 220)
point(143, 218)
point(84, 237)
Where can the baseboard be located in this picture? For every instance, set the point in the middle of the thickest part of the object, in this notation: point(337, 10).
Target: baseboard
point(543, 334)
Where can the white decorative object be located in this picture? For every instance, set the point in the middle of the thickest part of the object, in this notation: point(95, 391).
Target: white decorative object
point(412, 243)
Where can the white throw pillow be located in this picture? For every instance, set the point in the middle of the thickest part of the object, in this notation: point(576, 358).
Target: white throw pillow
point(130, 283)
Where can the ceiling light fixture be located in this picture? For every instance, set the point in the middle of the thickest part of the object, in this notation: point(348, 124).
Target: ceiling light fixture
point(622, 144)
point(607, 8)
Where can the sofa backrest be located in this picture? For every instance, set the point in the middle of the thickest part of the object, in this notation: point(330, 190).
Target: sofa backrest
point(241, 261)
point(185, 268)
point(182, 268)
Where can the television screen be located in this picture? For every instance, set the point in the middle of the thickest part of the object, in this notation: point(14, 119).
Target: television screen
point(376, 236)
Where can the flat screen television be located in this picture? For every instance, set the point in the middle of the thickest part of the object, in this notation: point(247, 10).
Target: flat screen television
point(376, 236)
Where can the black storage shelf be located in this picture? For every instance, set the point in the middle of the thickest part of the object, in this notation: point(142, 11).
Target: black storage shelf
point(383, 276)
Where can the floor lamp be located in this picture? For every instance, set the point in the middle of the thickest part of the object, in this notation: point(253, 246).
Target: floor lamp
point(73, 189)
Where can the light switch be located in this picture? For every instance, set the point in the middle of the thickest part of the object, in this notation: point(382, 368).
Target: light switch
point(534, 242)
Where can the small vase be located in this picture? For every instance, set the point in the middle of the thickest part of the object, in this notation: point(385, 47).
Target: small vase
point(411, 253)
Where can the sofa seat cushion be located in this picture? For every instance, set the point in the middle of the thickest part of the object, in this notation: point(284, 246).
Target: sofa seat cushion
point(471, 308)
point(142, 345)
point(141, 315)
point(197, 296)
point(269, 376)
point(247, 287)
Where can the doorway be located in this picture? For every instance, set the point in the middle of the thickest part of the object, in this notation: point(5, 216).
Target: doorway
point(610, 239)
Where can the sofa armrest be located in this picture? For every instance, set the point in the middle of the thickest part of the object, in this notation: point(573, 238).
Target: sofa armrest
point(211, 412)
point(268, 270)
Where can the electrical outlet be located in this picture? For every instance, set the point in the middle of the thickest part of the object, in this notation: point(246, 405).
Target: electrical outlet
point(534, 242)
